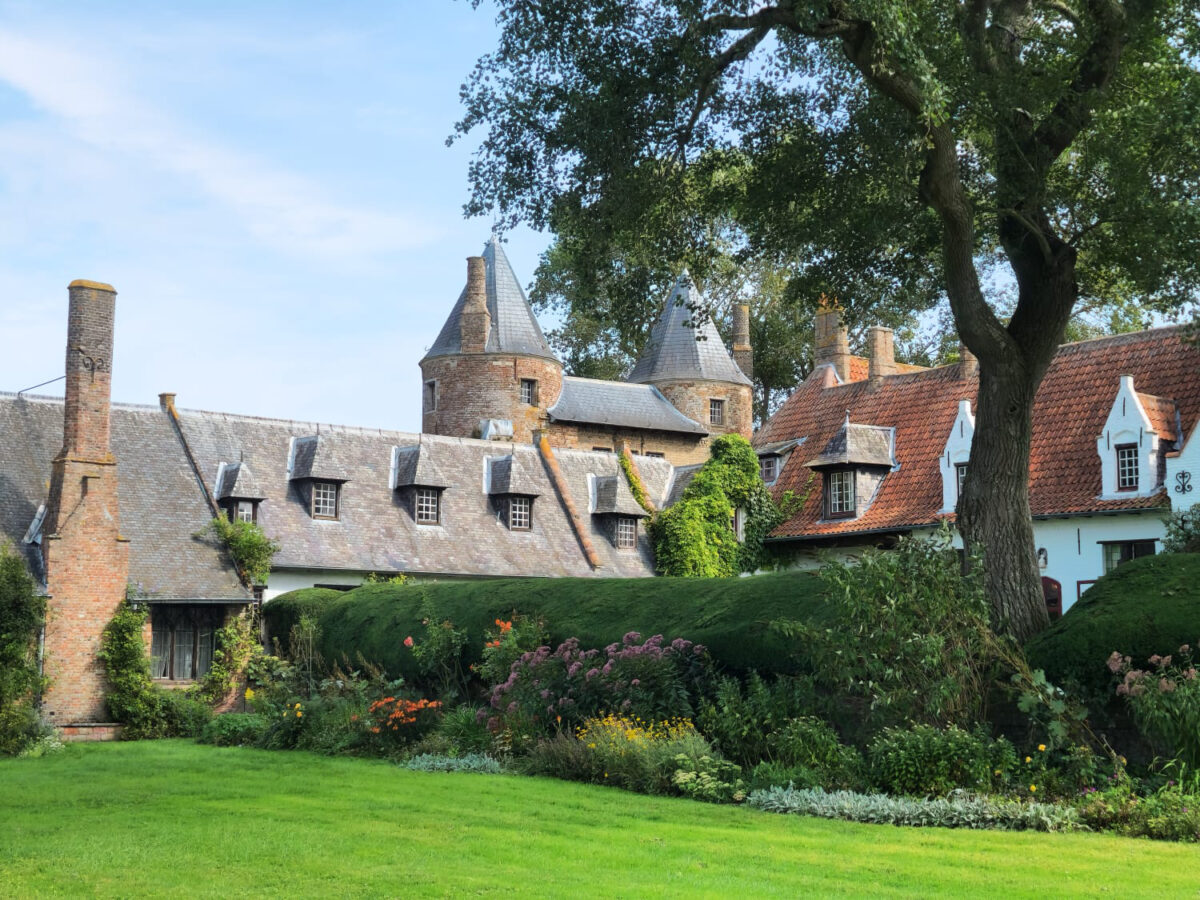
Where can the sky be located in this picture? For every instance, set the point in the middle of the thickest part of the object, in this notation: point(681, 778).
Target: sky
point(266, 185)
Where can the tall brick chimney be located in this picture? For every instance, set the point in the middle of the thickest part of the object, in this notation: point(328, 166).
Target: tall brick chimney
point(882, 351)
point(831, 340)
point(743, 353)
point(968, 365)
point(475, 322)
point(87, 560)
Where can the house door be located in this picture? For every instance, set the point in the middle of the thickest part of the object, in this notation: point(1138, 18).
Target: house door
point(1052, 591)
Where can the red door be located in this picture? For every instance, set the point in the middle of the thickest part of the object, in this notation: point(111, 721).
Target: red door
point(1052, 591)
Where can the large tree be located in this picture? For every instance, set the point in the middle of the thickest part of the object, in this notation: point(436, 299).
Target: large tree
point(1056, 139)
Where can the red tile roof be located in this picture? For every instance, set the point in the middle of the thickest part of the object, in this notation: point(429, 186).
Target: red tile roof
point(860, 368)
point(1069, 413)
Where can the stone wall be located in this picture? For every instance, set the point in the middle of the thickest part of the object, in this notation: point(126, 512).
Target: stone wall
point(475, 386)
point(692, 399)
point(678, 449)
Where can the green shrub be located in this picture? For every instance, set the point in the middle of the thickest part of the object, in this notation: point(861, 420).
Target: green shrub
point(1168, 814)
point(251, 549)
point(464, 731)
point(709, 778)
point(1141, 608)
point(1183, 531)
point(776, 774)
point(740, 719)
point(810, 744)
point(923, 760)
point(236, 643)
point(731, 617)
point(470, 762)
point(1165, 699)
point(941, 812)
point(234, 730)
point(22, 614)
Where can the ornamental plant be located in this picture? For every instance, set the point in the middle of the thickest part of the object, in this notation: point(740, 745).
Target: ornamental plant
point(1165, 701)
point(22, 614)
point(637, 754)
point(251, 549)
point(396, 721)
point(506, 643)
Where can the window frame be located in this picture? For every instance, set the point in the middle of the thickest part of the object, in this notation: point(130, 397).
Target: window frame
point(420, 510)
point(848, 512)
point(430, 398)
point(520, 506)
point(625, 533)
point(1131, 453)
point(1126, 550)
point(960, 478)
point(773, 459)
point(201, 624)
point(716, 411)
point(528, 388)
point(233, 508)
point(337, 500)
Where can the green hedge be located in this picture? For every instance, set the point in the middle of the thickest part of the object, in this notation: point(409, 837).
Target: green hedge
point(730, 616)
point(1146, 606)
point(282, 613)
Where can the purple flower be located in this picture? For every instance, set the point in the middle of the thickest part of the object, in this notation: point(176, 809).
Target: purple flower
point(592, 673)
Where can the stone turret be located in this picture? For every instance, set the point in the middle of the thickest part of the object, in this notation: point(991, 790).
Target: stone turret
point(688, 363)
point(490, 361)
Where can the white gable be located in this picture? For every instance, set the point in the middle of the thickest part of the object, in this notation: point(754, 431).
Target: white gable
point(1183, 473)
point(1128, 426)
point(956, 452)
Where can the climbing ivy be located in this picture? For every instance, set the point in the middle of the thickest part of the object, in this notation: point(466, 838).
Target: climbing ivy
point(237, 643)
point(696, 538)
point(251, 549)
point(635, 482)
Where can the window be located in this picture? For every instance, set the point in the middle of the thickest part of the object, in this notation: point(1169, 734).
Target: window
point(430, 396)
point(428, 506)
point(1117, 552)
point(182, 641)
point(602, 449)
point(960, 472)
point(716, 412)
point(241, 510)
point(839, 494)
point(626, 533)
point(1127, 467)
point(768, 468)
point(519, 517)
point(325, 500)
point(529, 391)
point(653, 454)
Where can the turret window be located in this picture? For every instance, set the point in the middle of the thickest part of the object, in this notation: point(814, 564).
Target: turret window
point(430, 396)
point(529, 391)
point(1127, 467)
point(716, 412)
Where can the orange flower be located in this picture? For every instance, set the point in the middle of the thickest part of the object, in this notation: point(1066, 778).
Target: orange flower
point(505, 627)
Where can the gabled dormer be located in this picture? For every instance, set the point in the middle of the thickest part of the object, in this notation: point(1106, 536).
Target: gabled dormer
point(238, 492)
point(419, 481)
point(512, 487)
point(616, 509)
point(852, 467)
point(1139, 431)
point(955, 456)
point(316, 469)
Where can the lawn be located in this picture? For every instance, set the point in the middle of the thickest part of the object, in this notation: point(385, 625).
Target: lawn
point(174, 818)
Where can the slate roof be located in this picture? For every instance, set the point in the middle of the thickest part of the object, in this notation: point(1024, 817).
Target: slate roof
point(861, 445)
point(161, 503)
point(316, 457)
point(514, 328)
point(613, 497)
point(375, 531)
point(679, 351)
point(592, 401)
point(415, 466)
point(511, 474)
point(238, 482)
point(1069, 412)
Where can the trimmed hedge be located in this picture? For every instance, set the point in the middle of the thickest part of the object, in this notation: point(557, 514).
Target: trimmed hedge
point(284, 612)
point(1146, 606)
point(730, 616)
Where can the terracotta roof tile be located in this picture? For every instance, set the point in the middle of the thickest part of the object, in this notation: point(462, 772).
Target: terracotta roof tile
point(1069, 412)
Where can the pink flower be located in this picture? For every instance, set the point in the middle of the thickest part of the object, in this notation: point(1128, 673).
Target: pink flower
point(1114, 662)
point(408, 641)
point(1166, 685)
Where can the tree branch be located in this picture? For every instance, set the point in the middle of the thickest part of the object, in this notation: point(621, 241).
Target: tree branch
point(1039, 235)
point(738, 51)
point(774, 17)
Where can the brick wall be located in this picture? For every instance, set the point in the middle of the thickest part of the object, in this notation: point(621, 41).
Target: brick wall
point(475, 386)
point(679, 449)
point(691, 398)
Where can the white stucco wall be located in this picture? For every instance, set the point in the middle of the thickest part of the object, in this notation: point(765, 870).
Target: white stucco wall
point(1183, 473)
point(284, 580)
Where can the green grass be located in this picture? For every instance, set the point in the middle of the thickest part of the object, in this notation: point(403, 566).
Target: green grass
point(731, 616)
point(174, 818)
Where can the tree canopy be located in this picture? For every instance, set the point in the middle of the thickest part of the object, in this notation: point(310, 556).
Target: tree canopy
point(887, 152)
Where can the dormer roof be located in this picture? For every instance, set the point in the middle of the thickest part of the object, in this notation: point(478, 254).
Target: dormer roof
point(316, 458)
point(1163, 415)
point(514, 328)
point(856, 445)
point(613, 497)
point(236, 482)
point(415, 467)
point(681, 348)
point(511, 475)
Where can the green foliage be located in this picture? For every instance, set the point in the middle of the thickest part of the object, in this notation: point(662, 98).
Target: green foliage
point(237, 642)
point(1165, 698)
point(464, 731)
point(729, 616)
point(938, 812)
point(708, 778)
point(909, 641)
point(439, 654)
point(145, 709)
point(1183, 531)
point(234, 730)
point(742, 719)
point(923, 760)
point(810, 744)
point(694, 538)
point(470, 762)
point(22, 614)
point(251, 549)
point(283, 613)
point(635, 483)
point(509, 641)
point(1169, 814)
point(1142, 607)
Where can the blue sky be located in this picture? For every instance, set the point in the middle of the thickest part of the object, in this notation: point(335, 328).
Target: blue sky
point(266, 185)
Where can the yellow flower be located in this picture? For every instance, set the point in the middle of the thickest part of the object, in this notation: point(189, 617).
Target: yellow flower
point(997, 771)
point(1029, 759)
point(1033, 788)
point(297, 706)
point(1041, 748)
point(299, 714)
point(249, 693)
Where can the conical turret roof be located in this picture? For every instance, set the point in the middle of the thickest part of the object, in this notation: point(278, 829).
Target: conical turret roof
point(679, 350)
point(514, 328)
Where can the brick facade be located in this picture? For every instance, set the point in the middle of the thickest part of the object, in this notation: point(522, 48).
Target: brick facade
point(692, 399)
point(468, 387)
point(87, 559)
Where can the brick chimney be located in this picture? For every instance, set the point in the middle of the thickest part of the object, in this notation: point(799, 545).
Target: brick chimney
point(968, 365)
point(882, 351)
point(87, 560)
point(831, 340)
point(475, 322)
point(743, 353)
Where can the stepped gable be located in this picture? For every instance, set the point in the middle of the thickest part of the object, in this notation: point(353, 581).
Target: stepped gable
point(161, 505)
point(677, 351)
point(514, 329)
point(1071, 407)
point(596, 402)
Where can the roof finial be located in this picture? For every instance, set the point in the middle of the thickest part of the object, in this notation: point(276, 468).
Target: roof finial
point(846, 424)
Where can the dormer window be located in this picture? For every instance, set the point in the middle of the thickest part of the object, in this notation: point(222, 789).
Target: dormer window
point(520, 513)
point(768, 468)
point(242, 510)
point(960, 474)
point(716, 412)
point(428, 506)
point(529, 391)
point(839, 494)
point(325, 499)
point(1127, 467)
point(626, 536)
